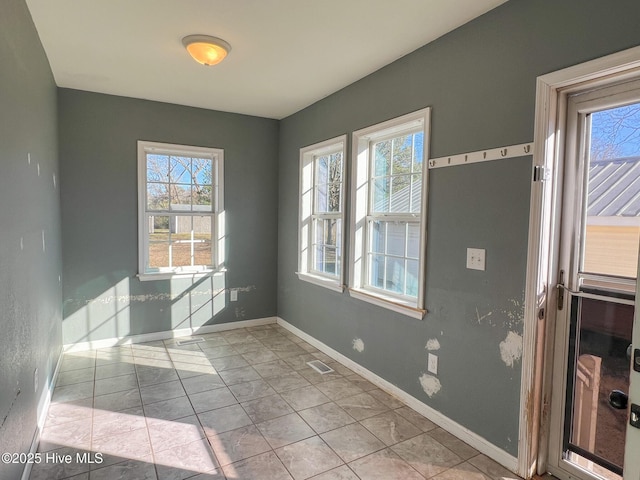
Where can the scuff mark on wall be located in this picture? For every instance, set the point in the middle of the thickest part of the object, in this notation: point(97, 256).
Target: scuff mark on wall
point(244, 289)
point(240, 313)
point(358, 345)
point(128, 299)
point(4, 420)
point(511, 349)
point(480, 318)
point(432, 344)
point(430, 384)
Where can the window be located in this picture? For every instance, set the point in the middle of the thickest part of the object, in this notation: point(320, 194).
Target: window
point(388, 213)
point(321, 227)
point(180, 198)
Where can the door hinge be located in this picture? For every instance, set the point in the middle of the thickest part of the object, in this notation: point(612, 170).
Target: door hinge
point(539, 173)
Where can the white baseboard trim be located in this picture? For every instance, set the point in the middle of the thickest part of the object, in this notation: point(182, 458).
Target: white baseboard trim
point(151, 337)
point(476, 441)
point(42, 410)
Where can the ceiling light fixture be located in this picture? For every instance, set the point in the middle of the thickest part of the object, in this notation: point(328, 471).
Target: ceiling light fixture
point(205, 49)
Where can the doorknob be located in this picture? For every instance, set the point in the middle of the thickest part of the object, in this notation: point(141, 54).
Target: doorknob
point(618, 399)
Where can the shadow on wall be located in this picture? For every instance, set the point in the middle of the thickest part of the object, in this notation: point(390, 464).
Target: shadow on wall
point(117, 306)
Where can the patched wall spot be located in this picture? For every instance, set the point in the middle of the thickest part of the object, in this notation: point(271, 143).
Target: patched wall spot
point(358, 345)
point(430, 384)
point(432, 344)
point(511, 349)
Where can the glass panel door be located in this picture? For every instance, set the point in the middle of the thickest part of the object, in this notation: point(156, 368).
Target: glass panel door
point(602, 219)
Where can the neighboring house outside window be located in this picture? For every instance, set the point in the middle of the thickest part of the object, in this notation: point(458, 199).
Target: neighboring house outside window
point(179, 197)
point(321, 221)
point(388, 224)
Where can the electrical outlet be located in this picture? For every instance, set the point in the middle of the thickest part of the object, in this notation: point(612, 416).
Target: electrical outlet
point(432, 364)
point(476, 258)
point(233, 295)
point(35, 380)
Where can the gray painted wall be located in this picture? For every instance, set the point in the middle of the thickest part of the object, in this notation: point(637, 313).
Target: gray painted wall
point(103, 298)
point(480, 81)
point(30, 256)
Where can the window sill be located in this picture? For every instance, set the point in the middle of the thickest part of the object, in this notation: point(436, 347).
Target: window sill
point(390, 303)
point(334, 285)
point(146, 277)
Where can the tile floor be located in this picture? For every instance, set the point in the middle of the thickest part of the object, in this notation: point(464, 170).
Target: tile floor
point(243, 404)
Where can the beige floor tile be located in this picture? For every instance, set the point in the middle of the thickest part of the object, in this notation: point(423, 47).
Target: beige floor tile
point(212, 399)
point(285, 430)
point(352, 442)
point(384, 465)
point(266, 408)
point(325, 417)
point(305, 397)
point(161, 391)
point(391, 428)
point(251, 390)
point(361, 406)
point(339, 388)
point(165, 435)
point(266, 465)
point(464, 471)
point(238, 444)
point(224, 419)
point(202, 383)
point(426, 455)
point(169, 409)
point(307, 458)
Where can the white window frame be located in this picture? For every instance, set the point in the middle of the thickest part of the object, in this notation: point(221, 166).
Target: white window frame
point(216, 214)
point(361, 214)
point(308, 213)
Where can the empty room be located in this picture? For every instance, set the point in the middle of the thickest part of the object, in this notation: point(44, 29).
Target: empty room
point(339, 239)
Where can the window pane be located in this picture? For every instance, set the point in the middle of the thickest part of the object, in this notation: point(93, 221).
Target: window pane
point(321, 198)
point(330, 263)
point(382, 158)
point(396, 238)
point(395, 275)
point(402, 154)
point(418, 151)
point(158, 255)
point(335, 167)
point(322, 170)
point(412, 278)
point(180, 197)
point(202, 195)
point(612, 232)
point(416, 193)
point(338, 232)
point(378, 236)
point(157, 168)
point(319, 231)
point(157, 196)
point(158, 248)
point(181, 253)
point(376, 271)
point(202, 240)
point(381, 195)
point(202, 171)
point(180, 169)
point(319, 258)
point(181, 236)
point(400, 193)
point(413, 241)
point(335, 199)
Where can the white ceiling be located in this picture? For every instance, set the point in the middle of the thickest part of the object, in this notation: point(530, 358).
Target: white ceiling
point(286, 54)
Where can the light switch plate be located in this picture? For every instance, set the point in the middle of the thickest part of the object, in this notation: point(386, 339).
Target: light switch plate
point(432, 364)
point(233, 294)
point(476, 258)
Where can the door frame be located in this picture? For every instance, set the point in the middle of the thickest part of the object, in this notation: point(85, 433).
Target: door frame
point(552, 91)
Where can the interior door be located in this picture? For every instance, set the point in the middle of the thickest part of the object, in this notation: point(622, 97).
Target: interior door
point(597, 334)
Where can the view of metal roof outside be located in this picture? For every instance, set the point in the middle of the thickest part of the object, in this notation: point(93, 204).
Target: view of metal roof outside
point(613, 210)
